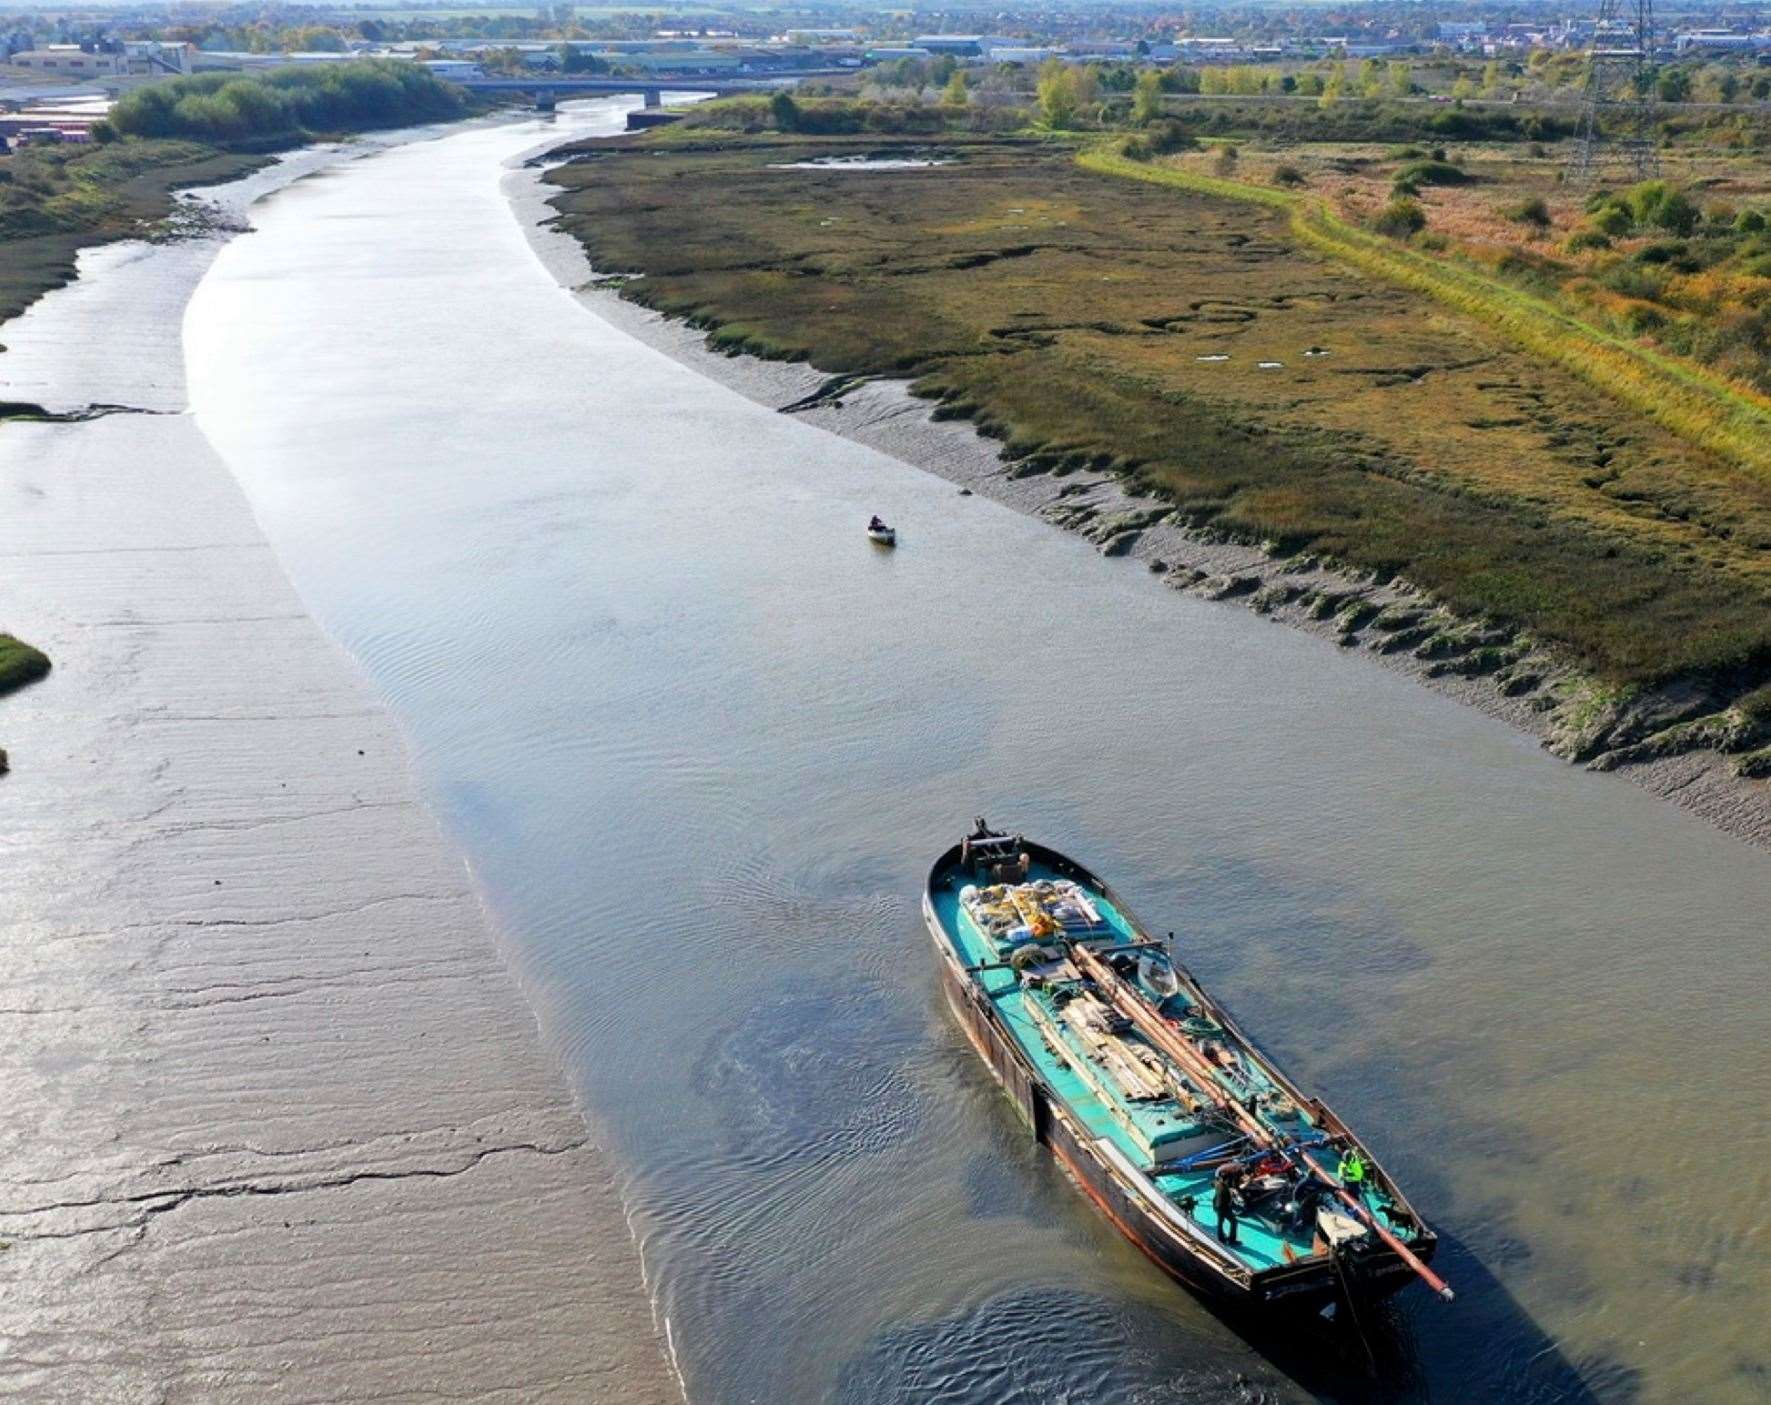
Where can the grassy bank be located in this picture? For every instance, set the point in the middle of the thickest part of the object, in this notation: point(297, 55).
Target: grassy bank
point(55, 201)
point(1703, 409)
point(1203, 347)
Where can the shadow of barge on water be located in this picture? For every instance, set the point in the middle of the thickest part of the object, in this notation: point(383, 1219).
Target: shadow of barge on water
point(1033, 1344)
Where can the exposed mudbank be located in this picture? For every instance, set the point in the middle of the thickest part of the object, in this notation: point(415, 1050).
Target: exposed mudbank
point(280, 1122)
point(1686, 742)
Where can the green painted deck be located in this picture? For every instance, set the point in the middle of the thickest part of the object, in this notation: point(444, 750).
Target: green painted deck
point(1096, 1102)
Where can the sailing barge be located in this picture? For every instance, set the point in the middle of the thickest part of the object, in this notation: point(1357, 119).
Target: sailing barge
point(1161, 1109)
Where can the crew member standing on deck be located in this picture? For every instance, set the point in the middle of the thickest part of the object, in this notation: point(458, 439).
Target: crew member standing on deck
point(1223, 1200)
point(1352, 1172)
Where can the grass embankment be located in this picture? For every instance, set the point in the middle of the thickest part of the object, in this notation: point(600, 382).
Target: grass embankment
point(1087, 319)
point(1729, 420)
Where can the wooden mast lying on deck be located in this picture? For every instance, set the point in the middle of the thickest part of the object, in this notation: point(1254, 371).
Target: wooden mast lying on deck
point(1165, 1037)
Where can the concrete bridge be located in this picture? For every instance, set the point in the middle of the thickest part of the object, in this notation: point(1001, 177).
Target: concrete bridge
point(549, 89)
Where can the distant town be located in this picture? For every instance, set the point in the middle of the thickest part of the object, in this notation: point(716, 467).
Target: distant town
point(116, 49)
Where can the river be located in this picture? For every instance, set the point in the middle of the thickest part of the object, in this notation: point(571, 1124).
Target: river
point(700, 741)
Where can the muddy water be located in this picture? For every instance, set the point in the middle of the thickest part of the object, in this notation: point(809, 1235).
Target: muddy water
point(700, 741)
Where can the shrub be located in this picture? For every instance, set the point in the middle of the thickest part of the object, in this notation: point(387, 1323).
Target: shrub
point(1641, 319)
point(1434, 172)
point(1661, 253)
point(1678, 214)
point(1644, 199)
point(1169, 137)
point(1583, 239)
point(1749, 222)
point(1658, 205)
point(1613, 220)
point(1533, 212)
point(1635, 280)
point(1285, 174)
point(784, 113)
point(1401, 218)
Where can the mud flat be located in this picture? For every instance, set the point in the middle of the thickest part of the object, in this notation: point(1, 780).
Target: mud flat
point(280, 1122)
point(1663, 740)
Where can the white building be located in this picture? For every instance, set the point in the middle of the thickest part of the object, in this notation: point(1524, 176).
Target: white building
point(1023, 55)
point(962, 45)
point(454, 69)
point(70, 61)
point(136, 56)
point(1719, 40)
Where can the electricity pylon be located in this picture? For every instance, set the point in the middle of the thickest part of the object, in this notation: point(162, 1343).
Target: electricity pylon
point(1618, 101)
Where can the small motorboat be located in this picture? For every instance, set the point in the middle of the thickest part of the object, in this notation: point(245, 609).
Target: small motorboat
point(877, 531)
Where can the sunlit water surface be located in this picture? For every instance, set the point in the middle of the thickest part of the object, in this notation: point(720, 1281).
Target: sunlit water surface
point(700, 741)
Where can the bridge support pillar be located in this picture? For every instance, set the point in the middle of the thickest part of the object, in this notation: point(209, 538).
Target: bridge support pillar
point(654, 97)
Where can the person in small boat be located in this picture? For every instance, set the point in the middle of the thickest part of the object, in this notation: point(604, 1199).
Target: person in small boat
point(875, 525)
point(1223, 1200)
point(1352, 1172)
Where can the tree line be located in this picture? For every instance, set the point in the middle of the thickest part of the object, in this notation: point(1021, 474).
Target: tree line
point(332, 97)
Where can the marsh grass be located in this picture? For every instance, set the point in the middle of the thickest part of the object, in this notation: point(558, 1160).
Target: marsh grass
point(54, 201)
point(1066, 310)
point(20, 664)
point(1709, 412)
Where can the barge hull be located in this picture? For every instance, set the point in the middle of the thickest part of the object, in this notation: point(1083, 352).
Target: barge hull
point(1177, 1250)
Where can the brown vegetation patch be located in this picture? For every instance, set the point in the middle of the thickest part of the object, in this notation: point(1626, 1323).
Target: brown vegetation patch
point(1419, 446)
